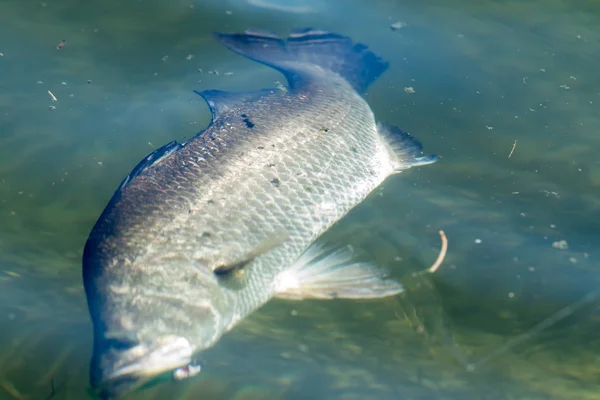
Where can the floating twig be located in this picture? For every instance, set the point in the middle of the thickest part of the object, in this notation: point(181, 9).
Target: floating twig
point(513, 148)
point(442, 254)
point(438, 262)
point(61, 44)
point(52, 96)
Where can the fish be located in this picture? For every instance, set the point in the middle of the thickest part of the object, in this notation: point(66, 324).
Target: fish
point(201, 234)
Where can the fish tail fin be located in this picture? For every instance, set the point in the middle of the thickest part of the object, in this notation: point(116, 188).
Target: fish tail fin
point(297, 56)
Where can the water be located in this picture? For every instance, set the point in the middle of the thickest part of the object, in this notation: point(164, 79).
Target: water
point(488, 78)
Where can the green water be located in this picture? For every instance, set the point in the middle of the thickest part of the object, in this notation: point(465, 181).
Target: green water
point(484, 74)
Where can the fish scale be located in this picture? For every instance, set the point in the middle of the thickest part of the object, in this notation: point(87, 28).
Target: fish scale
point(201, 234)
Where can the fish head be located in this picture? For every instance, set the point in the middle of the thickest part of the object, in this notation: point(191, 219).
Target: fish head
point(153, 338)
point(122, 365)
point(152, 308)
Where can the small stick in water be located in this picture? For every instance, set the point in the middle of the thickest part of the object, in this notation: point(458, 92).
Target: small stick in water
point(52, 96)
point(513, 148)
point(438, 262)
point(442, 254)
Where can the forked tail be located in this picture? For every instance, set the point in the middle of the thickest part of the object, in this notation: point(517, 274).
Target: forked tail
point(298, 55)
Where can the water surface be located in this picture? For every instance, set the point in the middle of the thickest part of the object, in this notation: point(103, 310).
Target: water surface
point(506, 92)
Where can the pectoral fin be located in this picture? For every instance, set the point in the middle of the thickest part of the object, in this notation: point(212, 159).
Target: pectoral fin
point(272, 241)
point(326, 273)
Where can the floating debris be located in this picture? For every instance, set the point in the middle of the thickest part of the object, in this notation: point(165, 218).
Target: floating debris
point(52, 96)
point(396, 26)
point(1, 54)
point(164, 59)
point(12, 274)
point(565, 87)
point(51, 108)
point(61, 44)
point(409, 90)
point(549, 193)
point(442, 254)
point(189, 57)
point(561, 245)
point(436, 265)
point(513, 148)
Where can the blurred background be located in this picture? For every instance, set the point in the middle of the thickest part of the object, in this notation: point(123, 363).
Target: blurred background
point(506, 92)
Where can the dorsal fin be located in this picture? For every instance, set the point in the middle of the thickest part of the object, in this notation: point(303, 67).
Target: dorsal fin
point(221, 102)
point(151, 159)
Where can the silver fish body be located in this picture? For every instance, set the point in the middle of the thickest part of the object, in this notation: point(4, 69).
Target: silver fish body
point(201, 234)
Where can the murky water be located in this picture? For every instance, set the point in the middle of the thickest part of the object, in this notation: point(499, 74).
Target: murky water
point(507, 92)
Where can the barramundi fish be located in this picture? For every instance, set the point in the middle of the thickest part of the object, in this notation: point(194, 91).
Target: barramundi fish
point(201, 234)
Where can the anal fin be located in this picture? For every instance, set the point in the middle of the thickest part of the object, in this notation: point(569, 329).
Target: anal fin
point(405, 150)
point(326, 273)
